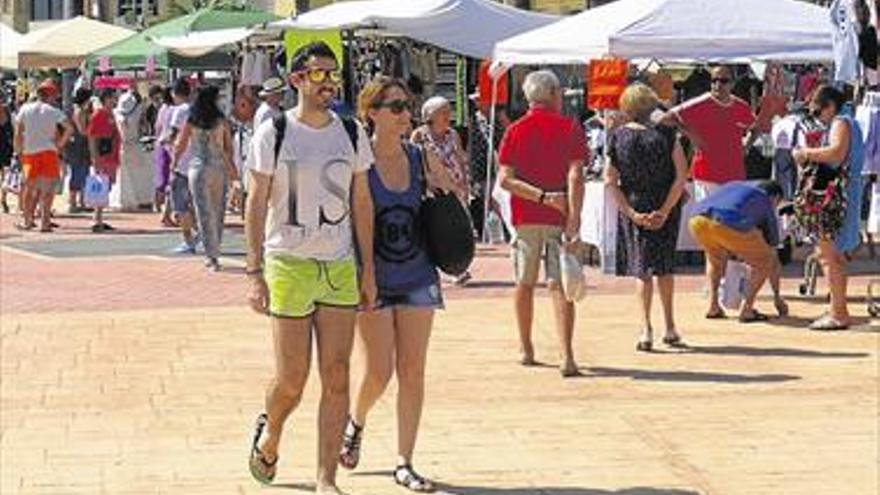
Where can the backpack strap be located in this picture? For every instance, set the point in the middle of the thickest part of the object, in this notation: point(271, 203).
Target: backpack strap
point(280, 124)
point(351, 128)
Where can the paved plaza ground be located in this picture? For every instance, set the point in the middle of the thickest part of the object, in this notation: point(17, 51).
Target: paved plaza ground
point(126, 370)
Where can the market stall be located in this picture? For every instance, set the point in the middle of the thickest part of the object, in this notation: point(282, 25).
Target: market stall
point(141, 50)
point(65, 44)
point(691, 31)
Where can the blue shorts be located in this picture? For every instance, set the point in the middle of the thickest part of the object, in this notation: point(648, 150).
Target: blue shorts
point(181, 199)
point(430, 297)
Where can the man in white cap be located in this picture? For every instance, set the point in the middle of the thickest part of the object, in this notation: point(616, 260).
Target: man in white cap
point(272, 93)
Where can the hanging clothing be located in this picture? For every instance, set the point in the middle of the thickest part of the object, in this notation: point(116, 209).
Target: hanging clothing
point(774, 80)
point(868, 118)
point(845, 41)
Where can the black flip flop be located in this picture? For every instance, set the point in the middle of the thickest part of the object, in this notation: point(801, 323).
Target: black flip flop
point(261, 469)
point(755, 317)
point(719, 315)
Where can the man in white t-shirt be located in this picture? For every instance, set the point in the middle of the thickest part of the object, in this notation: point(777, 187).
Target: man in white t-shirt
point(303, 198)
point(181, 199)
point(39, 143)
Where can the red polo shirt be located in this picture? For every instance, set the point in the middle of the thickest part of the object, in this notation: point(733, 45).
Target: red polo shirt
point(540, 148)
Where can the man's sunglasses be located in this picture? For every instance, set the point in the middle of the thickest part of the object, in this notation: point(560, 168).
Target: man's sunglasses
point(397, 107)
point(720, 80)
point(318, 76)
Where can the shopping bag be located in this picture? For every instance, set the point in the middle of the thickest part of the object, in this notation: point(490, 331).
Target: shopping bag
point(12, 181)
point(574, 282)
point(874, 215)
point(733, 286)
point(96, 194)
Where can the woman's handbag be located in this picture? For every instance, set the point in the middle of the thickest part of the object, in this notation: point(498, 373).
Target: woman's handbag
point(446, 228)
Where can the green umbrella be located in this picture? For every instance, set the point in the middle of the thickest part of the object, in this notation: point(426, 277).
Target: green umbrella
point(133, 52)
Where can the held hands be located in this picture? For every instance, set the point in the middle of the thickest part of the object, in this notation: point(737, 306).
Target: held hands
point(369, 292)
point(557, 200)
point(650, 221)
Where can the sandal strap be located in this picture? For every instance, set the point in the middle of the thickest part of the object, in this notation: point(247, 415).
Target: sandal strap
point(352, 440)
point(410, 479)
point(262, 421)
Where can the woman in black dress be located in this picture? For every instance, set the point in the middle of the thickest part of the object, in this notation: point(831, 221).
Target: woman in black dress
point(5, 147)
point(646, 174)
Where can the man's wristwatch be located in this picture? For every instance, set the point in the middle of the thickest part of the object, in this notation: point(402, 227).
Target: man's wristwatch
point(541, 197)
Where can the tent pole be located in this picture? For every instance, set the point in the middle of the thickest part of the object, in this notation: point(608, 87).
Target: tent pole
point(490, 158)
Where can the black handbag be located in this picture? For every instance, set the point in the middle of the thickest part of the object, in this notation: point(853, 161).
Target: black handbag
point(446, 228)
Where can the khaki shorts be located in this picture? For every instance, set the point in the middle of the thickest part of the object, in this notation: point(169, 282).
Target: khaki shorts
point(531, 244)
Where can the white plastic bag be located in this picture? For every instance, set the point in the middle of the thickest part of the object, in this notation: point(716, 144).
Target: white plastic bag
point(574, 282)
point(96, 193)
point(494, 228)
point(12, 181)
point(733, 286)
point(874, 217)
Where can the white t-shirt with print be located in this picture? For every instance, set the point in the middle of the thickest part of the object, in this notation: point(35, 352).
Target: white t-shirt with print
point(40, 122)
point(309, 207)
point(179, 116)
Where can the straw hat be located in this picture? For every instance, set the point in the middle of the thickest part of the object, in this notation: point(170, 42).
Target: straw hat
point(272, 86)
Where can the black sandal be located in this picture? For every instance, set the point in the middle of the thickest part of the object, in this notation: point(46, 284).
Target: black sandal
point(406, 477)
point(261, 469)
point(646, 344)
point(675, 342)
point(755, 317)
point(350, 455)
point(717, 315)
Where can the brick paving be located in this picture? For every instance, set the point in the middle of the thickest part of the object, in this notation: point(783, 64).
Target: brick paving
point(142, 375)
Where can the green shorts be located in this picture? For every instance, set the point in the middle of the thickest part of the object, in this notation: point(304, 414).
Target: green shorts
point(297, 286)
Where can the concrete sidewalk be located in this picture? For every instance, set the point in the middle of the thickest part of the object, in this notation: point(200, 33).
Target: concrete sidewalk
point(163, 400)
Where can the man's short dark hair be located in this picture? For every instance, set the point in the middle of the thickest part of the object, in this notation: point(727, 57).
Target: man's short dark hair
point(771, 188)
point(155, 90)
point(106, 94)
point(316, 49)
point(181, 87)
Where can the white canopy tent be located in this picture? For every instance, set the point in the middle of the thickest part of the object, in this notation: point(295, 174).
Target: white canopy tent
point(466, 27)
point(199, 43)
point(680, 30)
point(10, 42)
point(65, 44)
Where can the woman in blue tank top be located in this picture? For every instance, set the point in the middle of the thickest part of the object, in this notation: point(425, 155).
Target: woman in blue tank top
point(399, 327)
point(843, 150)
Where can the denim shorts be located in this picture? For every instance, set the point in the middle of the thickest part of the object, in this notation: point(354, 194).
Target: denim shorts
point(181, 199)
point(430, 297)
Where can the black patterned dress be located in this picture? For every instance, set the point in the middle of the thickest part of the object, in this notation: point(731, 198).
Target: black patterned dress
point(644, 159)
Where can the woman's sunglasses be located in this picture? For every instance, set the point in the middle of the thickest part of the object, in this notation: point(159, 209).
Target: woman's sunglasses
point(318, 76)
point(397, 107)
point(720, 80)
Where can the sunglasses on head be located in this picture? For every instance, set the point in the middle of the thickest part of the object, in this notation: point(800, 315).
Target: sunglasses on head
point(720, 80)
point(318, 76)
point(397, 107)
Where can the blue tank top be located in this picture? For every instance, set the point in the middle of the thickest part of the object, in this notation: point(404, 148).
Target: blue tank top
point(401, 262)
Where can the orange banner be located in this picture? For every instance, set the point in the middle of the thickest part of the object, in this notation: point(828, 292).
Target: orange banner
point(606, 82)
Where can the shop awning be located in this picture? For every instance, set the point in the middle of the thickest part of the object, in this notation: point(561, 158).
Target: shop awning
point(681, 30)
point(201, 43)
point(132, 53)
point(466, 27)
point(65, 44)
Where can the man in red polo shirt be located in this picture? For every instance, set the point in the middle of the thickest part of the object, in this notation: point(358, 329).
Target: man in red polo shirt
point(716, 122)
point(541, 160)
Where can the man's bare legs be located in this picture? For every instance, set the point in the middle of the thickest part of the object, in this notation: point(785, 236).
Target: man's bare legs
point(715, 267)
point(524, 304)
point(564, 314)
point(334, 330)
point(760, 270)
point(293, 347)
point(46, 198)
